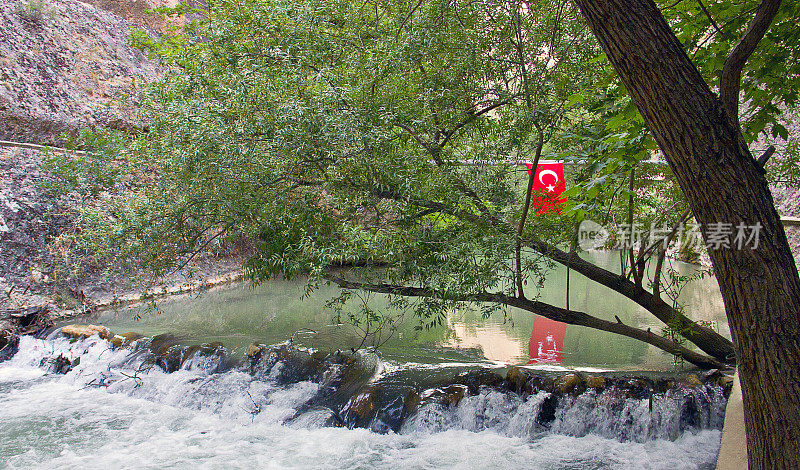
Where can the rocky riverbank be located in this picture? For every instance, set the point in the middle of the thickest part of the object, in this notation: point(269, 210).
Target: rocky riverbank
point(34, 289)
point(66, 66)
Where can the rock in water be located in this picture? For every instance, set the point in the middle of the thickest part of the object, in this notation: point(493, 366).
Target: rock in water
point(85, 331)
point(125, 339)
point(596, 381)
point(569, 383)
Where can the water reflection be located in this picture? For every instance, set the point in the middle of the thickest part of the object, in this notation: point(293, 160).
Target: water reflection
point(273, 312)
point(547, 341)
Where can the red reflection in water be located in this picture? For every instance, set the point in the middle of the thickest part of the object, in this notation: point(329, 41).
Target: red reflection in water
point(547, 341)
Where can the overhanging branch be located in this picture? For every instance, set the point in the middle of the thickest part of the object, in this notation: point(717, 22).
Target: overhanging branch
point(540, 308)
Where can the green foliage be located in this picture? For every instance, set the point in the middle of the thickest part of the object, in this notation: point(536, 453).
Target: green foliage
point(673, 286)
point(330, 134)
point(391, 134)
point(88, 167)
point(771, 80)
point(35, 11)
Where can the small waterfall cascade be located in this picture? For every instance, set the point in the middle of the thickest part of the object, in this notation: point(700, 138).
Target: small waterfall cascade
point(301, 389)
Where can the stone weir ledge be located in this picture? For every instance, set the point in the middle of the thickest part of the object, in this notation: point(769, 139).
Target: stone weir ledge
point(355, 390)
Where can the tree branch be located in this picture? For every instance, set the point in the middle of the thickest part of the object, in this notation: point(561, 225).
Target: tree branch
point(525, 208)
point(708, 340)
point(730, 80)
point(540, 308)
point(472, 116)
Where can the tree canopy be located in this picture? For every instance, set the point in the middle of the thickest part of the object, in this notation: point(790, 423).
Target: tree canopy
point(387, 137)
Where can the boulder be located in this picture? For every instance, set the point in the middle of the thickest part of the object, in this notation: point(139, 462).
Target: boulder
point(254, 351)
point(638, 388)
point(475, 379)
point(516, 379)
point(692, 381)
point(540, 383)
point(85, 331)
point(360, 409)
point(60, 365)
point(726, 382)
point(211, 357)
point(412, 402)
point(125, 339)
point(454, 394)
point(597, 382)
point(569, 383)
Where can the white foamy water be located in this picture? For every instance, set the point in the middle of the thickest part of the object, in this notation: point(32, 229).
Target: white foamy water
point(110, 412)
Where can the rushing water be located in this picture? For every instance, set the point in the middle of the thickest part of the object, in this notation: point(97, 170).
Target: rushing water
point(68, 403)
point(109, 412)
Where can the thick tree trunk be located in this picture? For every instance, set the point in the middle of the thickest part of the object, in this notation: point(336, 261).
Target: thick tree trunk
point(723, 183)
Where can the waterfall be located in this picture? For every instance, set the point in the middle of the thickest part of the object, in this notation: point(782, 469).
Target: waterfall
point(303, 392)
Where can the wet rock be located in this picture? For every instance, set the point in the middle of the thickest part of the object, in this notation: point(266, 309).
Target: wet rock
point(637, 388)
point(597, 382)
point(360, 410)
point(319, 355)
point(663, 384)
point(254, 351)
point(188, 353)
point(569, 383)
point(692, 381)
point(60, 365)
point(85, 331)
point(547, 412)
point(160, 344)
point(290, 364)
point(411, 402)
point(169, 359)
point(9, 347)
point(516, 379)
point(539, 383)
point(393, 409)
point(210, 357)
point(726, 382)
point(124, 340)
point(454, 394)
point(315, 418)
point(475, 379)
point(690, 412)
point(711, 375)
point(167, 352)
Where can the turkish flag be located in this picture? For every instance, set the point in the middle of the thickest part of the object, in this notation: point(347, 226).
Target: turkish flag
point(547, 341)
point(547, 187)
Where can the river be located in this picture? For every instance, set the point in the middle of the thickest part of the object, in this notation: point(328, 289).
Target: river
point(121, 408)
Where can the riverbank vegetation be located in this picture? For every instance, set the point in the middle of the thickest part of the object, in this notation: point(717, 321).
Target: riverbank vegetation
point(378, 147)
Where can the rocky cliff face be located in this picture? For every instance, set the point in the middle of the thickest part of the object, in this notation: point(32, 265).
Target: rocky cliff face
point(66, 65)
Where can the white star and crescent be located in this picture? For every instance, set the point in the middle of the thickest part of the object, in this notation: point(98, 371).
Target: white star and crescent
point(550, 187)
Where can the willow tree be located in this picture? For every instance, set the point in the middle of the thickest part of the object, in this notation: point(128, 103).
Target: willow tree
point(384, 136)
point(700, 135)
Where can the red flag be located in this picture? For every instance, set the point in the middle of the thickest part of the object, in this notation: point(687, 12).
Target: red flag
point(547, 187)
point(547, 341)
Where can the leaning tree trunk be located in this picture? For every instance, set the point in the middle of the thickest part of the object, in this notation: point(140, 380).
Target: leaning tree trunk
point(723, 183)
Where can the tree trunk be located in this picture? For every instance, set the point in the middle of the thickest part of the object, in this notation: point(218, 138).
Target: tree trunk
point(760, 286)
